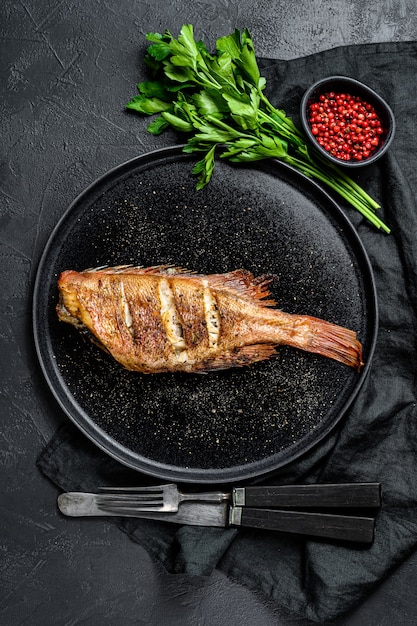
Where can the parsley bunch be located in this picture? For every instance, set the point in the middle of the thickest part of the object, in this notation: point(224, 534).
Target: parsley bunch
point(219, 100)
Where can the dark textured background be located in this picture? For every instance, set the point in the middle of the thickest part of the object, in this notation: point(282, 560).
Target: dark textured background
point(66, 70)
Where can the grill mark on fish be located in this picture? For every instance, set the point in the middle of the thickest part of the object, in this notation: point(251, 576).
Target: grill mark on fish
point(211, 315)
point(127, 315)
point(171, 320)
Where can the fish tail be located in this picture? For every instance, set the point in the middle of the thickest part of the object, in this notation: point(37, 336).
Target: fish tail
point(336, 342)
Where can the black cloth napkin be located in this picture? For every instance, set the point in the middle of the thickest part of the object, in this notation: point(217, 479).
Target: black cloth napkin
point(378, 439)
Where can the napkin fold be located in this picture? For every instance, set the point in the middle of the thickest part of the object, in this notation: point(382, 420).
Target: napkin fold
point(377, 440)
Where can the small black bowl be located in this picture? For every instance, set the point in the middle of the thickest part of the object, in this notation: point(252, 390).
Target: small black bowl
point(344, 84)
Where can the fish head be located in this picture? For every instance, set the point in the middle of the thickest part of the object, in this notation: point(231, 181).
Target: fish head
point(69, 307)
point(87, 301)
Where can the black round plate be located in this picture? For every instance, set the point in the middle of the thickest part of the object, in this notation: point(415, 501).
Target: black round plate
point(230, 425)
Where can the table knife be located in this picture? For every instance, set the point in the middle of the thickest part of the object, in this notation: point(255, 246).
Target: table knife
point(348, 528)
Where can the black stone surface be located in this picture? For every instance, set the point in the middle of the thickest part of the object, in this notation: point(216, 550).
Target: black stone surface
point(67, 70)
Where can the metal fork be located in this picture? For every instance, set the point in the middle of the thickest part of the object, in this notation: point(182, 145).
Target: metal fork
point(161, 498)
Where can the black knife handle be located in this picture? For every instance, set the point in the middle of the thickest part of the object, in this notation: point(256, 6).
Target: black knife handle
point(342, 527)
point(345, 495)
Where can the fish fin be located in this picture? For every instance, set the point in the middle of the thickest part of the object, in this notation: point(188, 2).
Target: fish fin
point(330, 340)
point(338, 343)
point(139, 270)
point(239, 357)
point(244, 283)
point(168, 270)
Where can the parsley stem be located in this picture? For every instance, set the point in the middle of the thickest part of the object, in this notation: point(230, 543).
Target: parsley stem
point(340, 189)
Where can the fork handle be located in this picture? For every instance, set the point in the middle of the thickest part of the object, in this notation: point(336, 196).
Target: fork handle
point(342, 527)
point(344, 495)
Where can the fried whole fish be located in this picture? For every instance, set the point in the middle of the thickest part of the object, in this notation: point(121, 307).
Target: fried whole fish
point(166, 319)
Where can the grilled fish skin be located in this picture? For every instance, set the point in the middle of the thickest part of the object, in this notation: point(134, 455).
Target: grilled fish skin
point(167, 319)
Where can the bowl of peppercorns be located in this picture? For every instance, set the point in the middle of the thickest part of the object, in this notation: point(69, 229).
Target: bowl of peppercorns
point(346, 121)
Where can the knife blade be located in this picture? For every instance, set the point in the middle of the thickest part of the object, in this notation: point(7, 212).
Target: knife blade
point(79, 504)
point(341, 527)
